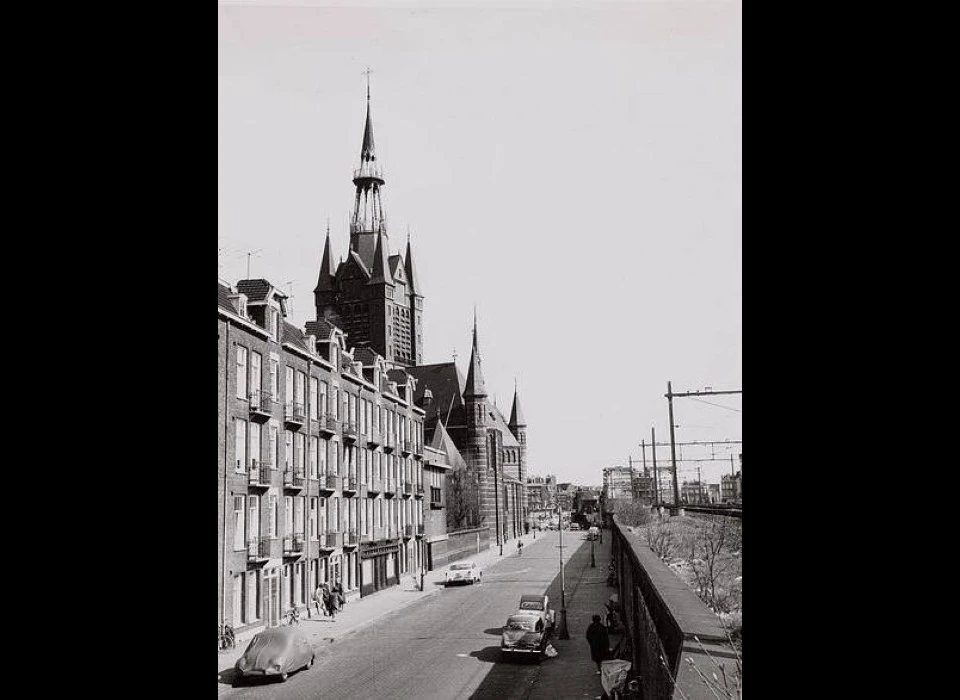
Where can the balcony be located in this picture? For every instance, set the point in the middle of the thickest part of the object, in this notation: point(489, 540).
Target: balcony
point(389, 488)
point(407, 489)
point(389, 444)
point(328, 426)
point(330, 541)
point(379, 534)
point(407, 449)
point(419, 492)
point(261, 476)
point(418, 451)
point(293, 480)
point(261, 406)
point(293, 545)
point(436, 505)
point(351, 539)
point(421, 530)
point(258, 549)
point(350, 485)
point(408, 532)
point(294, 415)
point(374, 440)
point(375, 487)
point(350, 432)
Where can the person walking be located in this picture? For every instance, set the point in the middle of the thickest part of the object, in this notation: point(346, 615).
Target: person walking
point(520, 548)
point(599, 640)
point(330, 601)
point(320, 602)
point(338, 595)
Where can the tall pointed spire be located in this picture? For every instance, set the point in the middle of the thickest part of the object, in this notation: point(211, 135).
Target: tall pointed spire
point(369, 220)
point(476, 386)
point(381, 268)
point(326, 281)
point(413, 283)
point(516, 415)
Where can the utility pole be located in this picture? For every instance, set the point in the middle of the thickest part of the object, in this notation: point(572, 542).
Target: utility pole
point(699, 484)
point(673, 447)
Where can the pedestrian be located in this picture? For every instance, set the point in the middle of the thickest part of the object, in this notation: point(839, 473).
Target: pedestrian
point(341, 599)
point(599, 640)
point(520, 548)
point(329, 599)
point(319, 599)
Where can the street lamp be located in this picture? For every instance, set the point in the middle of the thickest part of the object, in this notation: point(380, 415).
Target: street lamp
point(562, 631)
point(593, 554)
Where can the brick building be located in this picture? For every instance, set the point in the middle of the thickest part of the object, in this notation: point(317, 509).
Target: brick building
point(321, 462)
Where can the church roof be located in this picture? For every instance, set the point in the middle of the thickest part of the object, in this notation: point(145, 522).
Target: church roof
point(446, 383)
point(517, 419)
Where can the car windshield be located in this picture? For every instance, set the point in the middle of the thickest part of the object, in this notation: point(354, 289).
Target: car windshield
point(527, 624)
point(461, 567)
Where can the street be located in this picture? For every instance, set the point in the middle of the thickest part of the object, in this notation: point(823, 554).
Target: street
point(447, 645)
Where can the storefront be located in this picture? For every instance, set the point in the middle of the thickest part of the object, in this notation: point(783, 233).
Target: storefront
point(379, 567)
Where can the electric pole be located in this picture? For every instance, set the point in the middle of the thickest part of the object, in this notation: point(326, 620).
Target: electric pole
point(656, 470)
point(673, 447)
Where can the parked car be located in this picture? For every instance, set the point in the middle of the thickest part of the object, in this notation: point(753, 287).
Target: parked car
point(466, 572)
point(528, 631)
point(593, 533)
point(574, 527)
point(276, 652)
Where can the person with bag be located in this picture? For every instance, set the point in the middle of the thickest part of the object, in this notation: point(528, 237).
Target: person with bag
point(599, 640)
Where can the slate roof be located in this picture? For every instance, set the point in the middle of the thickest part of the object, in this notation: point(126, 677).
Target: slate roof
point(223, 299)
point(446, 383)
point(322, 329)
point(256, 290)
point(365, 356)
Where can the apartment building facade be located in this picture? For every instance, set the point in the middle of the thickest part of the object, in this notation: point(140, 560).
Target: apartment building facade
point(320, 462)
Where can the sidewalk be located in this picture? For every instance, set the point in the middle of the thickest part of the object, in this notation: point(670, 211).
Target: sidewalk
point(573, 674)
point(360, 612)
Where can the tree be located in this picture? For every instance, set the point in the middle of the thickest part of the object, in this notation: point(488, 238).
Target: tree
point(712, 558)
point(463, 504)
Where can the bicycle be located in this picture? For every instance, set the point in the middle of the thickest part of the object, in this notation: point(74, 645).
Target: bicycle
point(226, 638)
point(292, 617)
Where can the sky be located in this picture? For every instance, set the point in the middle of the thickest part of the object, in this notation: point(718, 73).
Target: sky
point(573, 171)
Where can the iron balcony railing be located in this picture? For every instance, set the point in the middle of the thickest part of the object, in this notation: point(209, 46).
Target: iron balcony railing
point(407, 489)
point(421, 530)
point(375, 486)
point(294, 414)
point(261, 475)
point(328, 426)
point(419, 491)
point(407, 448)
point(373, 439)
point(293, 545)
point(408, 532)
point(330, 541)
point(259, 548)
point(389, 488)
point(389, 443)
point(351, 539)
point(261, 404)
point(350, 432)
point(293, 479)
point(350, 485)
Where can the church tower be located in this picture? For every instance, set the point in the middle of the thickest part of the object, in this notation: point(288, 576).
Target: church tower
point(373, 296)
point(518, 426)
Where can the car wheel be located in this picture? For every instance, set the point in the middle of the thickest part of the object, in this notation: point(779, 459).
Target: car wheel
point(284, 677)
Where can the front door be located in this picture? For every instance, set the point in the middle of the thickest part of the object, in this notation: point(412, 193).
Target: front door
point(271, 600)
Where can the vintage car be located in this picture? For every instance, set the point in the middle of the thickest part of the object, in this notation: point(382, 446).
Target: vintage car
point(276, 653)
point(528, 631)
point(466, 572)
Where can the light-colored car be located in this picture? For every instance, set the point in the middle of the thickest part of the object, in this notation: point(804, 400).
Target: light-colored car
point(593, 533)
point(529, 629)
point(465, 572)
point(276, 653)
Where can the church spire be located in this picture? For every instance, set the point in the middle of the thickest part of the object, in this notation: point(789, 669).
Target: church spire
point(326, 281)
point(369, 220)
point(516, 415)
point(381, 268)
point(476, 387)
point(411, 269)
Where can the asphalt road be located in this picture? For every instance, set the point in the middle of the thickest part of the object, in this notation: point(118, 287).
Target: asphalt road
point(444, 647)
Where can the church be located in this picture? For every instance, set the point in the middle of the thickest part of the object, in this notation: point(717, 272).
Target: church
point(376, 298)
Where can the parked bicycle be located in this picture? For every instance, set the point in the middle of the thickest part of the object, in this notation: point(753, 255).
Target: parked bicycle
point(226, 638)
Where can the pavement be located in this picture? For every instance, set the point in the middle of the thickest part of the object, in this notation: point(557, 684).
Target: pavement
point(571, 674)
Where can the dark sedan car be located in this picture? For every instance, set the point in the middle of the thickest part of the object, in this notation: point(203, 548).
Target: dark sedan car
point(276, 653)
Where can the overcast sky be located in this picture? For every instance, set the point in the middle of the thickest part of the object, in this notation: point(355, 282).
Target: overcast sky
point(572, 170)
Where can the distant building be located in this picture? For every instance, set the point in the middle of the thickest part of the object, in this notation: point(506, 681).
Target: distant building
point(731, 488)
point(565, 496)
point(714, 492)
point(618, 483)
point(541, 498)
point(643, 489)
point(693, 493)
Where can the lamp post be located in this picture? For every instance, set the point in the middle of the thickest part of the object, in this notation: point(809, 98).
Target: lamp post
point(562, 631)
point(593, 554)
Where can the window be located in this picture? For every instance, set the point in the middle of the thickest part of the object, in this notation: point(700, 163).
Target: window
point(275, 378)
point(314, 393)
point(256, 376)
point(239, 523)
point(241, 372)
point(241, 446)
point(253, 521)
point(288, 460)
point(314, 453)
point(256, 431)
point(274, 521)
point(274, 447)
point(314, 504)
